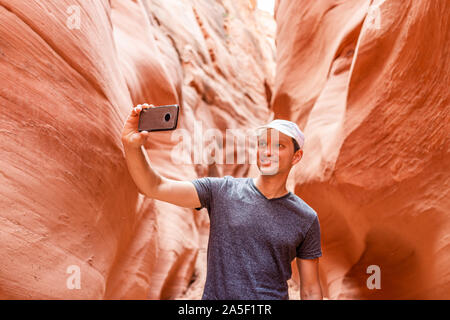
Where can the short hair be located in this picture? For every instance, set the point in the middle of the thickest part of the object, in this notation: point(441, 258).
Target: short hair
point(296, 146)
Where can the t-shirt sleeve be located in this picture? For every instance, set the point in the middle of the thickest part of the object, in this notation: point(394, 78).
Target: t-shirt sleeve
point(310, 247)
point(206, 189)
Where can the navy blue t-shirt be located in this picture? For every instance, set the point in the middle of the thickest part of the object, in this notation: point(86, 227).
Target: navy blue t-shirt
point(253, 240)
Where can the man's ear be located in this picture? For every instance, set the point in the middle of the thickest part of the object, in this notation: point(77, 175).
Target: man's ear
point(297, 156)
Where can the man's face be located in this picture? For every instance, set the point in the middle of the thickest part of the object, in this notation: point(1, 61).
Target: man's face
point(275, 152)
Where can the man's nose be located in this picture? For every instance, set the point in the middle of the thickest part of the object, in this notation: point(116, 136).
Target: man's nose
point(268, 151)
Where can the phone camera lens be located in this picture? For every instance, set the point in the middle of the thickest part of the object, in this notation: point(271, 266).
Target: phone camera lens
point(167, 117)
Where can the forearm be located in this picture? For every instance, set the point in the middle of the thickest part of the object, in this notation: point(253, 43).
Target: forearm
point(144, 176)
point(313, 293)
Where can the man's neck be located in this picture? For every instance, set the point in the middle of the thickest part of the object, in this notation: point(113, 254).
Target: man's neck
point(271, 186)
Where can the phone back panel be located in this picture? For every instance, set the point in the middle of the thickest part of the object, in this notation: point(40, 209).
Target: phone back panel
point(159, 118)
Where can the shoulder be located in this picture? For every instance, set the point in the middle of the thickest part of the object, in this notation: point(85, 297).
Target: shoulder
point(229, 178)
point(229, 183)
point(214, 183)
point(304, 209)
point(232, 181)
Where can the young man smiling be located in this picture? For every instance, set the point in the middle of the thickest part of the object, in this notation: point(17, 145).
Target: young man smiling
point(257, 226)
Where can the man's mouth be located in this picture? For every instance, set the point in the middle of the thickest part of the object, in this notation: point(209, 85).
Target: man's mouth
point(266, 162)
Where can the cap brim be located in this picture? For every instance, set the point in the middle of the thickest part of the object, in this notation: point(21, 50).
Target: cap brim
point(259, 130)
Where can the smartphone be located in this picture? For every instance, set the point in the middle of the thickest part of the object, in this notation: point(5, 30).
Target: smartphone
point(160, 118)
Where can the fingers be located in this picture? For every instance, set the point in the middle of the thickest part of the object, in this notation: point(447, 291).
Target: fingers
point(137, 110)
point(143, 135)
point(139, 137)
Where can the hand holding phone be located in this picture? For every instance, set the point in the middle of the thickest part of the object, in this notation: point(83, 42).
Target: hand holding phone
point(136, 129)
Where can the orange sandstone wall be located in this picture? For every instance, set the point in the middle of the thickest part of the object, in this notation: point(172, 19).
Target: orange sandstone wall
point(66, 195)
point(368, 83)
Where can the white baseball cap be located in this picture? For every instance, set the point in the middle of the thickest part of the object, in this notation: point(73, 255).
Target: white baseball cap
point(289, 128)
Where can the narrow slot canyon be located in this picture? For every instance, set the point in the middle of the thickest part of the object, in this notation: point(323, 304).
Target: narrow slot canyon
point(365, 80)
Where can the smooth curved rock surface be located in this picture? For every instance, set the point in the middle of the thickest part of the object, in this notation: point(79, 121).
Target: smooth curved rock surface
point(368, 83)
point(66, 196)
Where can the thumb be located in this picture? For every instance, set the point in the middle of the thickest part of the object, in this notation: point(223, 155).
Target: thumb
point(144, 135)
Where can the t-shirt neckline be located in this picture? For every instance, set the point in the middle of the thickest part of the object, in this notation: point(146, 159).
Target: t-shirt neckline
point(258, 191)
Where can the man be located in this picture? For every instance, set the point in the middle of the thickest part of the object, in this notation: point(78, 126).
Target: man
point(257, 227)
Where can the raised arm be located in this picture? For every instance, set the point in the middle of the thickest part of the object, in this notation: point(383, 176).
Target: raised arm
point(147, 180)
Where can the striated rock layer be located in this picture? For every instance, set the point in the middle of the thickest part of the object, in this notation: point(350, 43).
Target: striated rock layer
point(70, 72)
point(368, 83)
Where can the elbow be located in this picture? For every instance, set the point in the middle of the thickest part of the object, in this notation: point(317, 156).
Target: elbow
point(144, 193)
point(149, 193)
point(152, 190)
point(140, 190)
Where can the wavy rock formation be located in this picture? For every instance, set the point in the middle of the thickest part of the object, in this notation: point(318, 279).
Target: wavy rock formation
point(366, 80)
point(71, 71)
point(368, 83)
